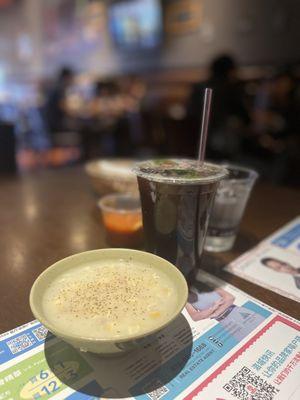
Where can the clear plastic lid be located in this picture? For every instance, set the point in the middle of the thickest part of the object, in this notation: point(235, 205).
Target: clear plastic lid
point(179, 171)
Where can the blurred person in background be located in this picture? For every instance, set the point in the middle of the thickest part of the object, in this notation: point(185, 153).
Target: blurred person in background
point(117, 106)
point(107, 130)
point(277, 122)
point(105, 102)
point(55, 106)
point(229, 117)
point(277, 110)
point(133, 93)
point(101, 113)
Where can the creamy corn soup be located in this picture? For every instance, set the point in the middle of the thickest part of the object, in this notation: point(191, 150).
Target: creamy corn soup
point(110, 299)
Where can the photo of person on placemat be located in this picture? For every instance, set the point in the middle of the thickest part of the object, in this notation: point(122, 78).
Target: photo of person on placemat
point(216, 303)
point(281, 266)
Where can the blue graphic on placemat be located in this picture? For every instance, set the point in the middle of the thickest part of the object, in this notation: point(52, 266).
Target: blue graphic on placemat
point(257, 309)
point(285, 239)
point(207, 350)
point(22, 342)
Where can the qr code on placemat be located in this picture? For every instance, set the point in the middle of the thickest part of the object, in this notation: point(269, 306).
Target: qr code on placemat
point(20, 343)
point(40, 333)
point(246, 385)
point(158, 393)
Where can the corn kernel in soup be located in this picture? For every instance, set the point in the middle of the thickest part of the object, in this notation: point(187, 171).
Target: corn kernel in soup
point(110, 299)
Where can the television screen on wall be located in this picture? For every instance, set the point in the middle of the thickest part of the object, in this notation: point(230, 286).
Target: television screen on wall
point(135, 24)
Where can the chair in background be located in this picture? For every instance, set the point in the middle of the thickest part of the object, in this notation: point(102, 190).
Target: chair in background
point(8, 163)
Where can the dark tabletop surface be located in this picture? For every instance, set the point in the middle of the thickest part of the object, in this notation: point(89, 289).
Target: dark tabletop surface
point(51, 214)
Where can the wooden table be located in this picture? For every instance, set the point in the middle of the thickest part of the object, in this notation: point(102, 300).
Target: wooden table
point(48, 215)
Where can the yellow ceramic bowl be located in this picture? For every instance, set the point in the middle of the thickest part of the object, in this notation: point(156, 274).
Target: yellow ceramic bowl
point(104, 346)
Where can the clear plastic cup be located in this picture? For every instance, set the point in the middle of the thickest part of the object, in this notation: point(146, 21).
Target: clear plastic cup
point(122, 219)
point(176, 197)
point(228, 208)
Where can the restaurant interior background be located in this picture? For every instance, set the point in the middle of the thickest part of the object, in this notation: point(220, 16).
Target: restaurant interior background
point(125, 78)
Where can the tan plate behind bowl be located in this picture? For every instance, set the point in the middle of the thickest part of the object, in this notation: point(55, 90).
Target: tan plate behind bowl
point(112, 175)
point(106, 346)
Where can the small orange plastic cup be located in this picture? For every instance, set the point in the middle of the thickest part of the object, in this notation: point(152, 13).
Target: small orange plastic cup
point(122, 219)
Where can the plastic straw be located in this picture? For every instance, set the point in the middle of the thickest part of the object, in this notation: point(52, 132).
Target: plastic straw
point(204, 125)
